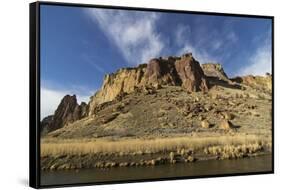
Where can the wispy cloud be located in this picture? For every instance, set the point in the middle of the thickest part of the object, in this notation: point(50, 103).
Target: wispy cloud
point(232, 37)
point(183, 36)
point(207, 43)
point(91, 61)
point(134, 33)
point(260, 61)
point(217, 44)
point(138, 38)
point(199, 54)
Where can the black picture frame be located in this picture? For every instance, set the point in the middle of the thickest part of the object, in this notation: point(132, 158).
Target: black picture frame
point(34, 91)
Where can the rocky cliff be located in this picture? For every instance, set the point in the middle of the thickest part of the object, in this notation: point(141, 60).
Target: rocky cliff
point(182, 71)
point(67, 112)
point(191, 74)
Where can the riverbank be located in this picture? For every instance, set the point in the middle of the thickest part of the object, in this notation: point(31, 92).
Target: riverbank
point(104, 153)
point(201, 168)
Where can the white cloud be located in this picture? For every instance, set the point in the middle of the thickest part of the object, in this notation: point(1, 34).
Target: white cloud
point(91, 61)
point(182, 34)
point(134, 33)
point(260, 61)
point(232, 37)
point(51, 98)
point(217, 44)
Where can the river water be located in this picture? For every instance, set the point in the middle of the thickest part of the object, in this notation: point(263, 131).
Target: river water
point(210, 167)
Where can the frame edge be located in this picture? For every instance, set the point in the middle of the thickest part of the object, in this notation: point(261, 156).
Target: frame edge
point(34, 89)
point(34, 172)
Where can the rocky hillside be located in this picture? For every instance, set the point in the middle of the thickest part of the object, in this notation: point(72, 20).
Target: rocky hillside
point(262, 83)
point(167, 94)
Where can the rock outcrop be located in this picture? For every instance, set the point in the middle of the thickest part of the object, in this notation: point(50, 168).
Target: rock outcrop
point(214, 70)
point(257, 82)
point(191, 74)
point(182, 71)
point(117, 84)
point(46, 124)
point(163, 72)
point(67, 112)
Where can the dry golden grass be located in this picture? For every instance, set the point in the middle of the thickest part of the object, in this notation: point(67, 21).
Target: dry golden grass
point(238, 151)
point(90, 146)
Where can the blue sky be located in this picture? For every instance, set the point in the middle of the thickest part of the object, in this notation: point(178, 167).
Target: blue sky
point(80, 45)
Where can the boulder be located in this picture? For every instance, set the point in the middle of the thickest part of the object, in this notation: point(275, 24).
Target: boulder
point(205, 124)
point(226, 125)
point(228, 116)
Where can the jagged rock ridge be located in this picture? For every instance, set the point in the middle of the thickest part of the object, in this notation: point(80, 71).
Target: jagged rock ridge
point(67, 112)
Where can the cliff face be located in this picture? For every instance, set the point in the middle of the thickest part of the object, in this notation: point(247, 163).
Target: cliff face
point(123, 81)
point(191, 74)
point(67, 112)
point(162, 72)
point(182, 71)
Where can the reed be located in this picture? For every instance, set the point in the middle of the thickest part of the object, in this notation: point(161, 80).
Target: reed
point(55, 147)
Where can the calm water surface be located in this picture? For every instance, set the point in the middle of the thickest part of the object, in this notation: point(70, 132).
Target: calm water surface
point(211, 167)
